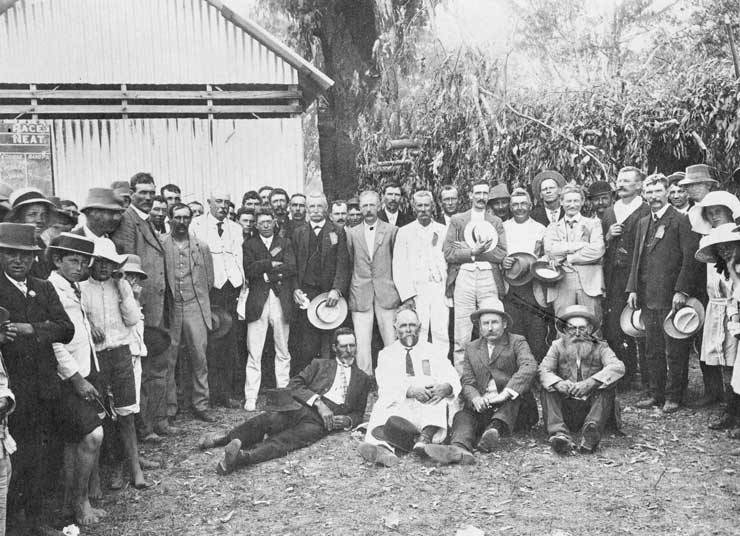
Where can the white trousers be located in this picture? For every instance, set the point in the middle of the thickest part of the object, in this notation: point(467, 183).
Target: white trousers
point(363, 325)
point(434, 315)
point(272, 315)
point(471, 287)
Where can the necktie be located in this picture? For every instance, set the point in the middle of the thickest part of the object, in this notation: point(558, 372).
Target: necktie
point(571, 223)
point(409, 363)
point(23, 288)
point(344, 382)
point(316, 230)
point(76, 289)
point(220, 226)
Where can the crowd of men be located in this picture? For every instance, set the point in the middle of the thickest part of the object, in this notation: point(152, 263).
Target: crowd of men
point(122, 314)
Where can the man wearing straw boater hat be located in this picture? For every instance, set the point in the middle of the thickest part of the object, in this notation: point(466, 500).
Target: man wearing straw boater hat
point(578, 377)
point(37, 320)
point(662, 277)
point(80, 426)
point(619, 224)
point(328, 395)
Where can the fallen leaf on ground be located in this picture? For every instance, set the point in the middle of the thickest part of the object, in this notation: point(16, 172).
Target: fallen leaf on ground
point(227, 517)
point(469, 530)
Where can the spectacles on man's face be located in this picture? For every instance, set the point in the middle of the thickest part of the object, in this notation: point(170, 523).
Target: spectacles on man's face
point(572, 330)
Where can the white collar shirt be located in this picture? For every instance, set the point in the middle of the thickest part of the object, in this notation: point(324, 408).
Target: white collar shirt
point(553, 215)
point(392, 216)
point(623, 210)
point(659, 214)
point(20, 285)
point(337, 393)
point(317, 225)
point(267, 241)
point(369, 231)
point(143, 215)
point(524, 237)
point(226, 249)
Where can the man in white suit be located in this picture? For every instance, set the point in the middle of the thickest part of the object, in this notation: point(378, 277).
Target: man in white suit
point(473, 272)
point(577, 244)
point(372, 293)
point(420, 270)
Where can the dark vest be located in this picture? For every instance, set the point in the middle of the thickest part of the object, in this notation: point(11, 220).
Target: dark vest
point(313, 265)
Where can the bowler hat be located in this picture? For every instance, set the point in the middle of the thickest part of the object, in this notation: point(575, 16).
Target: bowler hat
point(543, 175)
point(73, 243)
point(598, 188)
point(397, 432)
point(280, 399)
point(686, 321)
point(577, 311)
point(323, 316)
point(547, 273)
point(221, 322)
point(631, 322)
point(101, 198)
point(500, 191)
point(697, 174)
point(133, 265)
point(353, 202)
point(521, 273)
point(18, 236)
point(491, 306)
point(156, 340)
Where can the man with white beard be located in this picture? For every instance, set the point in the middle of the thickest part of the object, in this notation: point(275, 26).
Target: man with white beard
point(578, 376)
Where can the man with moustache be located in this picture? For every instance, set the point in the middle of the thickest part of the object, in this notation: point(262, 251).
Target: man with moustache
point(224, 239)
point(415, 382)
point(391, 213)
point(102, 212)
point(328, 395)
point(498, 372)
point(498, 202)
point(448, 198)
point(663, 276)
point(525, 303)
point(264, 193)
point(546, 187)
point(618, 225)
point(600, 196)
point(372, 293)
point(322, 265)
point(297, 210)
point(578, 377)
point(158, 215)
point(338, 213)
point(473, 272)
point(279, 205)
point(136, 235)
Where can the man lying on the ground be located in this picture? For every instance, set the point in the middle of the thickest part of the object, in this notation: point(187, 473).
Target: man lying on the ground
point(578, 377)
point(498, 371)
point(417, 382)
point(329, 394)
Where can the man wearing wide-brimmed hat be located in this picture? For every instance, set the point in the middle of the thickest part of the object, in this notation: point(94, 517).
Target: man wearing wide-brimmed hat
point(525, 299)
point(618, 225)
point(37, 319)
point(546, 187)
point(578, 375)
point(498, 372)
point(77, 365)
point(664, 274)
point(30, 205)
point(102, 212)
point(498, 201)
point(698, 182)
point(328, 395)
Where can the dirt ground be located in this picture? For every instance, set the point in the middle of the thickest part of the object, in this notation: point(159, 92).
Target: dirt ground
point(667, 475)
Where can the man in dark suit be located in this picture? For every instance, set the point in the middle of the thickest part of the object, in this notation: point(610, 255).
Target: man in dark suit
point(546, 187)
point(663, 276)
point(322, 265)
point(269, 266)
point(136, 235)
point(391, 213)
point(498, 371)
point(37, 319)
point(327, 395)
point(618, 225)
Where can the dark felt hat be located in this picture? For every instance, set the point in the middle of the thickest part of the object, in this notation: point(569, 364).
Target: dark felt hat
point(280, 399)
point(598, 188)
point(18, 236)
point(676, 177)
point(221, 322)
point(101, 198)
point(397, 432)
point(521, 273)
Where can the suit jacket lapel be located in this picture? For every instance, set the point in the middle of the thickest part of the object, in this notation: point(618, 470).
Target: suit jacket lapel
point(379, 232)
point(663, 222)
point(498, 348)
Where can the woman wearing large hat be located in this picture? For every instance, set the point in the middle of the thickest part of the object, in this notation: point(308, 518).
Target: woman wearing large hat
point(30, 205)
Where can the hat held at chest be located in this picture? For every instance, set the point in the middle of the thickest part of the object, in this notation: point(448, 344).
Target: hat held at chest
point(480, 232)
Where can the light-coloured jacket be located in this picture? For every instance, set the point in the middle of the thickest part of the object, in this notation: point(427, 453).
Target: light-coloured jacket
point(9, 446)
point(601, 364)
point(226, 250)
point(111, 307)
point(418, 258)
point(586, 261)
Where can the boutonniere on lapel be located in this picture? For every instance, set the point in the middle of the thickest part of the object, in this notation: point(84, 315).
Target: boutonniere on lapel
point(31, 293)
point(274, 252)
point(333, 238)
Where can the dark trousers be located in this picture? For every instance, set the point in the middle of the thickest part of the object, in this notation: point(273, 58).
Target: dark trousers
point(565, 415)
point(286, 431)
point(307, 342)
point(521, 304)
point(221, 352)
point(625, 347)
point(468, 424)
point(667, 358)
point(240, 367)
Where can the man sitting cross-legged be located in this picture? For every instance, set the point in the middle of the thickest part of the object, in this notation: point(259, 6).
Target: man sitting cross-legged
point(329, 394)
point(498, 371)
point(578, 375)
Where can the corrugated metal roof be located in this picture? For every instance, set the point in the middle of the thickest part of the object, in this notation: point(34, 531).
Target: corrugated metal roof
point(143, 42)
point(195, 154)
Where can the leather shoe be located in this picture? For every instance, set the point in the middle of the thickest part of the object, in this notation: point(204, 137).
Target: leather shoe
point(250, 405)
point(725, 422)
point(215, 439)
point(448, 454)
point(561, 443)
point(203, 415)
point(590, 439)
point(422, 442)
point(670, 407)
point(377, 454)
point(647, 403)
point(489, 440)
point(231, 454)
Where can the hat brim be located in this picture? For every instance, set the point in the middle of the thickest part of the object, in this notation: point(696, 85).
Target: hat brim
point(475, 316)
point(116, 208)
point(317, 322)
point(70, 250)
point(6, 245)
point(470, 229)
point(670, 328)
point(591, 317)
point(224, 323)
point(542, 176)
point(689, 182)
point(526, 275)
point(134, 271)
point(625, 323)
point(379, 434)
point(549, 280)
